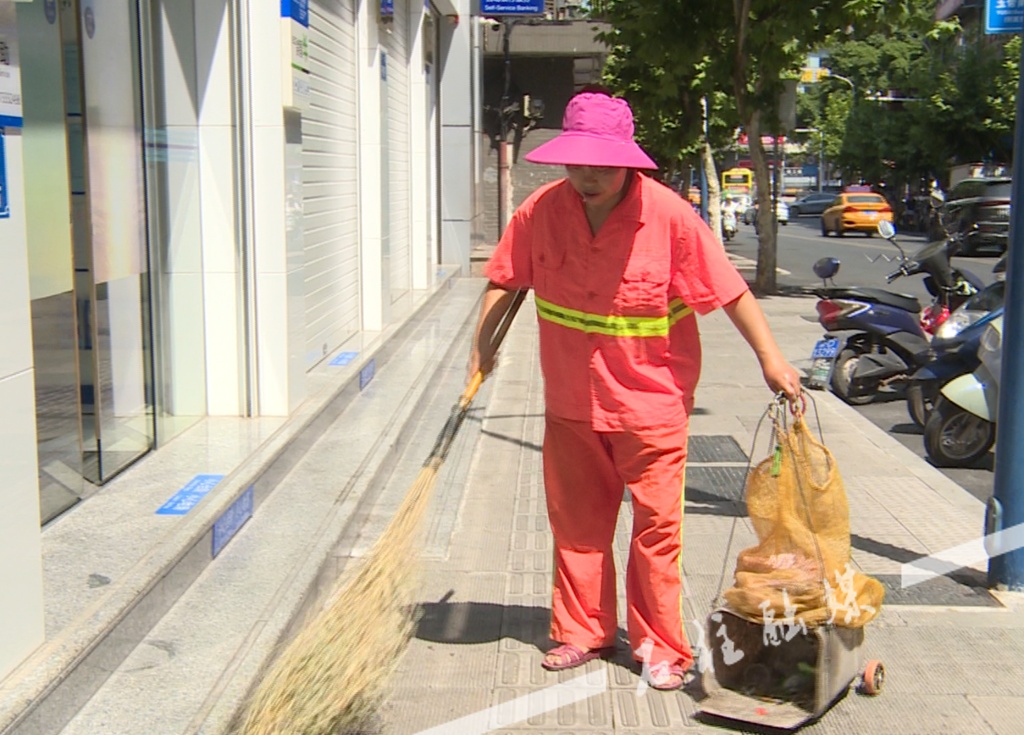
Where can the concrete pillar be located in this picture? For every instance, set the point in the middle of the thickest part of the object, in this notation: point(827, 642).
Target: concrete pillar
point(21, 573)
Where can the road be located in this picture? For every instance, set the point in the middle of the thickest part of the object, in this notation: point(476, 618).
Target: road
point(865, 262)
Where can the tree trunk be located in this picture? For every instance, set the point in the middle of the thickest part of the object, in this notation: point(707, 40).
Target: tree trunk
point(764, 282)
point(714, 190)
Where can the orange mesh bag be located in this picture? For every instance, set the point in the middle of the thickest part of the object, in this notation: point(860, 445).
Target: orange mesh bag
point(800, 572)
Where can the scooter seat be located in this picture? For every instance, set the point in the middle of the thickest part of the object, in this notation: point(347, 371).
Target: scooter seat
point(878, 296)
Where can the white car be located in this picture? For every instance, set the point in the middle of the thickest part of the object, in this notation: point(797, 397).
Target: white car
point(781, 213)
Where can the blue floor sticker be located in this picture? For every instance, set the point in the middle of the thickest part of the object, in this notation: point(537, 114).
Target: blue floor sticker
point(189, 496)
point(343, 358)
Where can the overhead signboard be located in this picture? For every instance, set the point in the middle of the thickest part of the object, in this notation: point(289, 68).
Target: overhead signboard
point(511, 7)
point(1004, 16)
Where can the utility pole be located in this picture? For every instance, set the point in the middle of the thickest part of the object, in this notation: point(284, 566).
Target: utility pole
point(1006, 507)
point(703, 168)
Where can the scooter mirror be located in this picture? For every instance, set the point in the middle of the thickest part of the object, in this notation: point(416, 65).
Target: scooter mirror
point(886, 230)
point(826, 268)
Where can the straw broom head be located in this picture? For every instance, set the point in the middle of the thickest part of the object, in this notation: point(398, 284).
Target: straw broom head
point(330, 678)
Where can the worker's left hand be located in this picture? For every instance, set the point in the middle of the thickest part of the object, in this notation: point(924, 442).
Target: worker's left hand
point(782, 377)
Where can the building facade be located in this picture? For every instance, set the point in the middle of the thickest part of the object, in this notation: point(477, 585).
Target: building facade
point(200, 201)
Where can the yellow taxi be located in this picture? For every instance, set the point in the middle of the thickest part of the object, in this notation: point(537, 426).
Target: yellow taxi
point(855, 211)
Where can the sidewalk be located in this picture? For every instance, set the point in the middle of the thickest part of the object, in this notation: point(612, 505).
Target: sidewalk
point(954, 653)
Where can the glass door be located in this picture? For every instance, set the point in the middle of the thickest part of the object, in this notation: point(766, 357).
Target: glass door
point(105, 146)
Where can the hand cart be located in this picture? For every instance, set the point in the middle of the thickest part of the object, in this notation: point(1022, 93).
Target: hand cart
point(780, 673)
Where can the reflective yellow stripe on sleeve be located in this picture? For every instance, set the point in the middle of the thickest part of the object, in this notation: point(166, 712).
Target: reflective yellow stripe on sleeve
point(613, 326)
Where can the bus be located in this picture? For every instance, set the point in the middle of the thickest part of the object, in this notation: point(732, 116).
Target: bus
point(738, 181)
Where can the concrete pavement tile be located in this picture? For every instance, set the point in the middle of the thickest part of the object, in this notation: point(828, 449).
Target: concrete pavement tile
point(533, 584)
point(530, 503)
point(648, 707)
point(1004, 715)
point(906, 715)
point(705, 518)
point(700, 591)
point(529, 561)
point(480, 555)
point(536, 538)
point(985, 678)
point(426, 703)
point(934, 522)
point(705, 553)
point(526, 627)
point(906, 673)
point(593, 714)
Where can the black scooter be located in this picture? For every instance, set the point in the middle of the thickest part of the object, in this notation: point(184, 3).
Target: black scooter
point(876, 337)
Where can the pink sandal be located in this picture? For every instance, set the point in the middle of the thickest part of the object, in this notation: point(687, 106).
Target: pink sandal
point(666, 677)
point(570, 656)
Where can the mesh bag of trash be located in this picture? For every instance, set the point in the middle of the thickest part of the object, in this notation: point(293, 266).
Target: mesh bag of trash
point(800, 571)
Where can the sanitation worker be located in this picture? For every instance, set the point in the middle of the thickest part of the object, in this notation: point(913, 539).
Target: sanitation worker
point(620, 266)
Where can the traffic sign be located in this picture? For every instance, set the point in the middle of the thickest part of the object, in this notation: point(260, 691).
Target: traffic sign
point(1004, 16)
point(511, 7)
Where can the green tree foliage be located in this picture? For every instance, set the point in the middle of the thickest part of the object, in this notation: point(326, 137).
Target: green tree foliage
point(667, 53)
point(956, 99)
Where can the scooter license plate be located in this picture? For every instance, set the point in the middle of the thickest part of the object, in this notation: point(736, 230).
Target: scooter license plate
point(823, 357)
point(825, 348)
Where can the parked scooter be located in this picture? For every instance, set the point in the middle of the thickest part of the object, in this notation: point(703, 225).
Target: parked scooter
point(876, 337)
point(962, 427)
point(954, 349)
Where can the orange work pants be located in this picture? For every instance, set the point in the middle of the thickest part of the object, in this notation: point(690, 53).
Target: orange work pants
point(584, 476)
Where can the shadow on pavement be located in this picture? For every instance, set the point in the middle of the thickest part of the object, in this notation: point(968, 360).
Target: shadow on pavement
point(466, 623)
point(966, 577)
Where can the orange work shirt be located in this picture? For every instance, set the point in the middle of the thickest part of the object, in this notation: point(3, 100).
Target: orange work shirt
point(619, 345)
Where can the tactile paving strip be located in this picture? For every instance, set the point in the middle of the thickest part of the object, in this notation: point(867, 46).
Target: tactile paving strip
point(715, 484)
point(714, 449)
point(960, 591)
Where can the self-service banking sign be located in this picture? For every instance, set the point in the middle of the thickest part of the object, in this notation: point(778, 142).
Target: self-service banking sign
point(511, 7)
point(295, 53)
point(1004, 16)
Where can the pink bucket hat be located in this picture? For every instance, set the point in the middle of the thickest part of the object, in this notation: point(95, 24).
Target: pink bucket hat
point(597, 130)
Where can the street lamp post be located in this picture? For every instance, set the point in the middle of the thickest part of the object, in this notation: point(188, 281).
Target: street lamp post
point(504, 146)
point(829, 74)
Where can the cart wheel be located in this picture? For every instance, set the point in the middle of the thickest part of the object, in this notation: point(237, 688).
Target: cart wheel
point(873, 678)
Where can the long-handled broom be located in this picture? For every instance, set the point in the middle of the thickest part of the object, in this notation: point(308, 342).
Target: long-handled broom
point(329, 679)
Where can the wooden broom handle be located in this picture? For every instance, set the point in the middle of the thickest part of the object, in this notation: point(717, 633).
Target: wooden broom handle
point(496, 339)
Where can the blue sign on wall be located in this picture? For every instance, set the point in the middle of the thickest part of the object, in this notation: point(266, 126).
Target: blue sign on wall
point(1004, 16)
point(367, 373)
point(5, 207)
point(298, 10)
point(511, 7)
point(189, 496)
point(233, 519)
point(387, 8)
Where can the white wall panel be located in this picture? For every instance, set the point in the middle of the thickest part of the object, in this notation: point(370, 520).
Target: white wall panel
point(21, 577)
point(330, 181)
point(396, 42)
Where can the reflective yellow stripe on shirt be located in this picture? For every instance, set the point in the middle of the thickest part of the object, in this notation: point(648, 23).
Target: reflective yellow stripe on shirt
point(613, 326)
